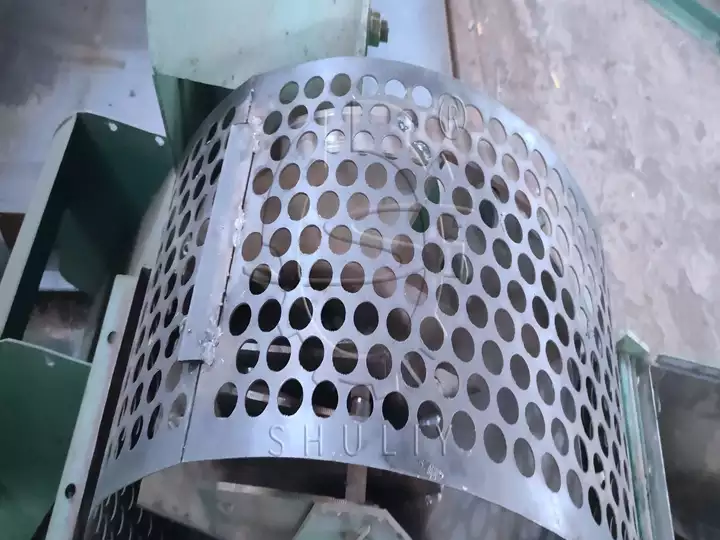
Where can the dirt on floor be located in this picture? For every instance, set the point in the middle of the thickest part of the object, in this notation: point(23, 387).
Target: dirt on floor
point(631, 104)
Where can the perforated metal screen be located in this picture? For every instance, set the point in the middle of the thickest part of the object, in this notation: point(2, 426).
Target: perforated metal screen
point(411, 281)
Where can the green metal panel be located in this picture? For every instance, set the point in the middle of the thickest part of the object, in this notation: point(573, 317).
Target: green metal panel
point(184, 105)
point(227, 42)
point(29, 256)
point(81, 450)
point(40, 395)
point(97, 183)
point(652, 506)
point(112, 177)
point(694, 17)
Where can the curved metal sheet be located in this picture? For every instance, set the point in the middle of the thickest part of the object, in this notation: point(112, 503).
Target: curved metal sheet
point(416, 284)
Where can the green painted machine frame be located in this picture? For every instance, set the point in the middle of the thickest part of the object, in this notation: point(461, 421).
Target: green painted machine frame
point(98, 183)
point(224, 46)
point(96, 205)
point(40, 394)
point(694, 16)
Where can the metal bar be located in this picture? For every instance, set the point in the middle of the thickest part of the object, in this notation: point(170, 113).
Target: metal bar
point(33, 246)
point(633, 432)
point(687, 367)
point(356, 484)
point(79, 478)
point(643, 437)
point(356, 480)
point(662, 522)
point(694, 17)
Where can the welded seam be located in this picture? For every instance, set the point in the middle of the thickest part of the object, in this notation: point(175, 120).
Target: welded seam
point(225, 287)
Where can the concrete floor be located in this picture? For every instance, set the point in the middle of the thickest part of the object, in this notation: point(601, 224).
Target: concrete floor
point(631, 103)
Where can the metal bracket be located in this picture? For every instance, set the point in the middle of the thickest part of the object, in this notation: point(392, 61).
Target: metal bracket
point(343, 520)
point(643, 437)
point(78, 481)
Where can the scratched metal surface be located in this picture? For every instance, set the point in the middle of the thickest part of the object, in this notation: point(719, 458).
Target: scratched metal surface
point(394, 261)
point(158, 391)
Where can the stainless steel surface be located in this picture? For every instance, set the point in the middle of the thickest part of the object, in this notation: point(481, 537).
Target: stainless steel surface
point(206, 496)
point(195, 495)
point(153, 371)
point(458, 258)
point(203, 497)
point(119, 517)
point(453, 514)
point(220, 232)
point(341, 520)
point(418, 34)
point(269, 498)
point(457, 514)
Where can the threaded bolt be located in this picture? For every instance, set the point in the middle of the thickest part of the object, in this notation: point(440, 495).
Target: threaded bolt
point(378, 29)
